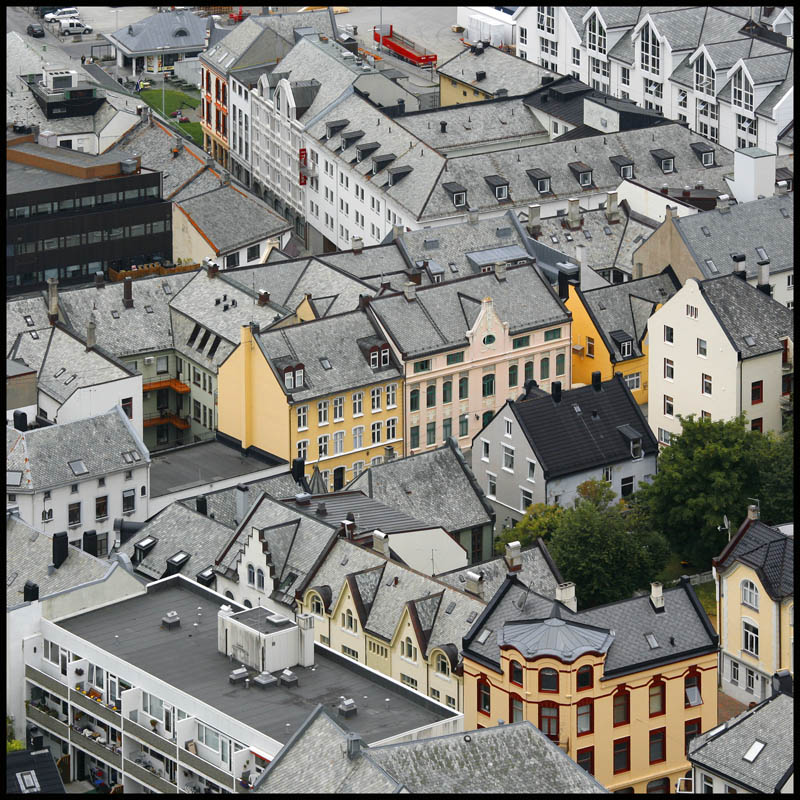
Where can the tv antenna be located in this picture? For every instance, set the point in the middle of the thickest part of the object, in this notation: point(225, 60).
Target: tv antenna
point(726, 526)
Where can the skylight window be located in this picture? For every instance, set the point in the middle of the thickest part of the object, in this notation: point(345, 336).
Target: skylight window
point(711, 265)
point(344, 560)
point(13, 478)
point(34, 335)
point(749, 340)
point(472, 615)
point(115, 313)
point(69, 380)
point(651, 641)
point(325, 363)
point(167, 289)
point(29, 320)
point(753, 751)
point(59, 373)
point(784, 213)
point(148, 309)
point(484, 636)
point(762, 253)
point(587, 234)
point(135, 455)
point(554, 238)
point(28, 782)
point(568, 237)
point(706, 231)
point(606, 230)
point(179, 558)
point(78, 467)
point(449, 609)
point(126, 457)
point(576, 408)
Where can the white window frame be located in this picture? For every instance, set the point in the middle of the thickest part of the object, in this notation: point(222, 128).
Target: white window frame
point(358, 437)
point(750, 637)
point(507, 456)
point(322, 412)
point(750, 594)
point(523, 506)
point(358, 404)
point(302, 418)
point(491, 480)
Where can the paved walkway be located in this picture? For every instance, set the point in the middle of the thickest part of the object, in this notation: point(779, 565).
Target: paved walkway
point(727, 707)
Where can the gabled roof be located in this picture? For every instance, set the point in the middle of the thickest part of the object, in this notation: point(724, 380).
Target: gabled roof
point(754, 321)
point(767, 550)
point(163, 30)
point(723, 752)
point(32, 307)
point(566, 436)
point(42, 455)
point(434, 485)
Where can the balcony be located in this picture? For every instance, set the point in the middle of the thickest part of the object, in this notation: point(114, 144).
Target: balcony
point(46, 721)
point(202, 766)
point(166, 417)
point(149, 737)
point(149, 778)
point(168, 383)
point(51, 684)
point(91, 743)
point(96, 707)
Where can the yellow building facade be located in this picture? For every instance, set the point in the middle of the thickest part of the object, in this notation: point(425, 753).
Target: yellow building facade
point(630, 729)
point(339, 417)
point(453, 92)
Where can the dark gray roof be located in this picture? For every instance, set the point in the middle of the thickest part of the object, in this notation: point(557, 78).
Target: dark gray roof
point(131, 629)
point(161, 30)
point(553, 636)
point(376, 264)
point(747, 314)
point(17, 308)
point(722, 751)
point(682, 627)
point(43, 454)
point(249, 44)
point(16, 368)
point(336, 339)
point(759, 223)
point(435, 486)
point(769, 551)
point(441, 314)
point(230, 219)
point(28, 553)
point(627, 307)
point(567, 440)
point(41, 763)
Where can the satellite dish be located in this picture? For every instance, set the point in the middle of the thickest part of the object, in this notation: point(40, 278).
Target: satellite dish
point(725, 521)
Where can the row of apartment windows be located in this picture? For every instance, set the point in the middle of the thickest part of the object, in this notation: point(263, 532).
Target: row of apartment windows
point(324, 441)
point(101, 507)
point(79, 204)
point(324, 406)
point(116, 233)
point(447, 430)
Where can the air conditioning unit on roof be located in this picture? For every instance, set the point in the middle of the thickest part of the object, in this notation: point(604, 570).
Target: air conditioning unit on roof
point(149, 360)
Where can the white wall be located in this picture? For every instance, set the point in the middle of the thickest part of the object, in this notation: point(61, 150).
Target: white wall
point(429, 551)
point(651, 204)
point(22, 622)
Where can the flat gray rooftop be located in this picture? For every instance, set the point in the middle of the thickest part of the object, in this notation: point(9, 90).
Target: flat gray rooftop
point(23, 178)
point(197, 464)
point(187, 658)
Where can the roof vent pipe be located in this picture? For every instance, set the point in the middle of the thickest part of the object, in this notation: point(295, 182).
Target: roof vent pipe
point(127, 293)
point(556, 391)
point(202, 505)
point(597, 384)
point(443, 126)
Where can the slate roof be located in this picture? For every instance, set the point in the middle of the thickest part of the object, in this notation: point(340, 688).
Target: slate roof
point(40, 762)
point(744, 311)
point(177, 528)
point(770, 722)
point(68, 366)
point(134, 330)
point(440, 316)
point(553, 158)
point(231, 219)
point(435, 485)
point(43, 454)
point(285, 24)
point(160, 30)
point(553, 636)
point(17, 308)
point(503, 71)
point(627, 307)
point(566, 441)
point(374, 264)
point(767, 550)
point(29, 551)
point(538, 571)
point(336, 339)
point(759, 223)
point(248, 44)
point(683, 622)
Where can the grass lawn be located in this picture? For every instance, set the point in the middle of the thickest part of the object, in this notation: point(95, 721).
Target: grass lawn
point(173, 100)
point(194, 130)
point(706, 593)
point(672, 570)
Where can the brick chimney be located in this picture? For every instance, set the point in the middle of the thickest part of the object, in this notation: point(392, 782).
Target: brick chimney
point(127, 293)
point(263, 297)
point(574, 218)
point(534, 224)
point(514, 556)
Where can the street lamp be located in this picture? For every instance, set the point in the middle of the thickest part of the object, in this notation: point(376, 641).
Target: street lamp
point(116, 28)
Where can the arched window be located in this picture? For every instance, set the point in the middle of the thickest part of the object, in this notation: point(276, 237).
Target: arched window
point(692, 688)
point(622, 707)
point(750, 594)
point(650, 49)
point(513, 375)
point(516, 673)
point(528, 371)
point(407, 649)
point(515, 708)
point(585, 716)
point(560, 364)
point(463, 388)
point(585, 677)
point(484, 697)
point(430, 396)
point(488, 385)
point(657, 693)
point(548, 720)
point(248, 604)
point(548, 680)
point(544, 368)
point(251, 574)
point(260, 579)
point(658, 786)
point(317, 606)
point(229, 595)
point(447, 392)
point(442, 665)
point(413, 400)
point(349, 621)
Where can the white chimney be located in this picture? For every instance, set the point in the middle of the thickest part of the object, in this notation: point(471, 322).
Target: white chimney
point(358, 244)
point(723, 203)
point(380, 542)
point(242, 501)
point(783, 188)
point(612, 208)
point(223, 613)
point(91, 332)
point(534, 226)
point(752, 512)
point(763, 272)
point(565, 593)
point(306, 646)
point(753, 174)
point(573, 213)
point(514, 556)
point(657, 595)
point(500, 270)
point(474, 583)
point(52, 300)
point(410, 290)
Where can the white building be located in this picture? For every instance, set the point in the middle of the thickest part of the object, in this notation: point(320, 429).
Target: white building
point(719, 348)
point(78, 476)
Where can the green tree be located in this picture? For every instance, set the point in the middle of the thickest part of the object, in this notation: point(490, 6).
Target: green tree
point(538, 520)
point(598, 492)
point(14, 744)
point(775, 458)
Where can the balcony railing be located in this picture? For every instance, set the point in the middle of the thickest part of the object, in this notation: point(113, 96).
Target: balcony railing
point(149, 778)
point(167, 418)
point(96, 708)
point(150, 738)
point(105, 752)
point(51, 684)
point(44, 720)
point(204, 768)
point(167, 383)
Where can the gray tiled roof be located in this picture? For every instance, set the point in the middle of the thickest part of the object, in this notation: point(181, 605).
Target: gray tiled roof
point(503, 71)
point(68, 366)
point(333, 338)
point(554, 157)
point(433, 486)
point(769, 551)
point(745, 311)
point(29, 551)
point(179, 528)
point(43, 454)
point(134, 330)
point(627, 307)
point(231, 219)
point(371, 264)
point(17, 308)
point(746, 226)
point(160, 30)
point(553, 636)
point(437, 319)
point(624, 49)
point(683, 622)
point(535, 573)
point(771, 723)
point(248, 44)
point(285, 24)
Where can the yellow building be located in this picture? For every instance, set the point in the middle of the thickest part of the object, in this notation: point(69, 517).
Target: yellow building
point(755, 609)
point(621, 688)
point(328, 391)
point(609, 329)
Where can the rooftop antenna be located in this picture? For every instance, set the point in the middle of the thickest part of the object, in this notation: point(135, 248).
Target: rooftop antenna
point(726, 526)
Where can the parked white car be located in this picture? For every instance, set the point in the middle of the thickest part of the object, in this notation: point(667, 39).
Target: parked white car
point(62, 13)
point(70, 26)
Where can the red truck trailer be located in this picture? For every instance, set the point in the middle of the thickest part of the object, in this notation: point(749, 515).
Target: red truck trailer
point(403, 47)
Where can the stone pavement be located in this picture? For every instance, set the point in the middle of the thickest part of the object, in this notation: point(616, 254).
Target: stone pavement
point(727, 707)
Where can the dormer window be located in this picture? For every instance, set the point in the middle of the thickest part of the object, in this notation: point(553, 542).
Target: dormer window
point(703, 75)
point(665, 159)
point(374, 358)
point(626, 348)
point(636, 448)
point(457, 192)
point(582, 172)
point(541, 180)
point(597, 35)
point(705, 152)
point(334, 126)
point(624, 166)
point(396, 174)
point(293, 377)
point(385, 355)
point(742, 91)
point(499, 186)
point(363, 150)
point(379, 162)
point(350, 137)
point(288, 378)
point(379, 356)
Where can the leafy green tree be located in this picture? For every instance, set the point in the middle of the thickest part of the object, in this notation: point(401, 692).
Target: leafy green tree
point(775, 458)
point(14, 744)
point(598, 492)
point(538, 520)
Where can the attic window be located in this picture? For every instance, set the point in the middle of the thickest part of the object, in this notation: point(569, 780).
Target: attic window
point(651, 641)
point(325, 363)
point(181, 32)
point(78, 467)
point(114, 313)
point(127, 458)
point(166, 288)
point(587, 234)
point(749, 341)
point(459, 199)
point(484, 635)
point(708, 159)
point(28, 782)
point(450, 608)
point(148, 309)
point(762, 253)
point(568, 237)
point(636, 448)
point(34, 334)
point(624, 166)
point(59, 373)
point(69, 380)
point(179, 559)
point(711, 265)
point(13, 478)
point(29, 320)
point(667, 165)
point(472, 615)
point(457, 192)
point(705, 230)
point(606, 230)
point(499, 186)
point(135, 455)
point(753, 751)
point(553, 238)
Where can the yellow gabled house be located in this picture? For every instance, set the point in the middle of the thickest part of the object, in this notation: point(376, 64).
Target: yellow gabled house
point(755, 608)
point(609, 329)
point(328, 391)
